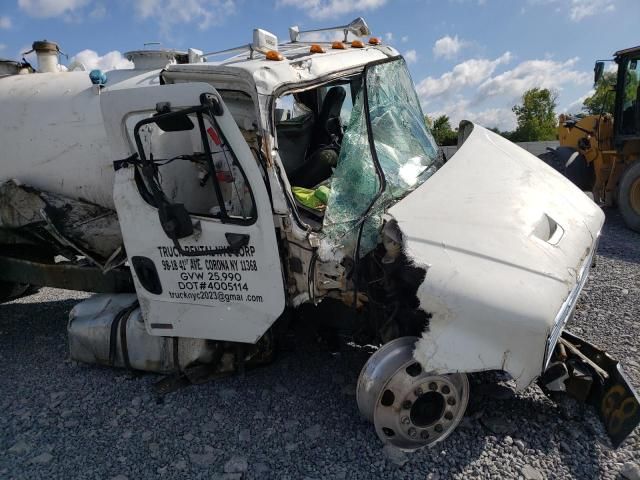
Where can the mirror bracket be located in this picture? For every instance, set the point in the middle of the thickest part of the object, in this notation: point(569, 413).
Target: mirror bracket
point(213, 102)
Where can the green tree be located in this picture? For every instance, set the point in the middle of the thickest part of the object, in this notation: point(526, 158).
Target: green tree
point(603, 99)
point(442, 131)
point(536, 116)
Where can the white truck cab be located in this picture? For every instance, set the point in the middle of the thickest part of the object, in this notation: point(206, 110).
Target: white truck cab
point(222, 194)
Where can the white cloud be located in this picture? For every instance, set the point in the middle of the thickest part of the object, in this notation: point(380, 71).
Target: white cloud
point(388, 36)
point(51, 8)
point(321, 9)
point(576, 106)
point(501, 118)
point(405, 39)
point(109, 61)
point(2, 46)
point(448, 47)
point(5, 23)
point(465, 74)
point(411, 56)
point(98, 12)
point(578, 9)
point(473, 90)
point(586, 8)
point(204, 13)
point(511, 84)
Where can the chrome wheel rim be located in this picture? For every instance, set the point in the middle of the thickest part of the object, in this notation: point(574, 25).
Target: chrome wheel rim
point(410, 408)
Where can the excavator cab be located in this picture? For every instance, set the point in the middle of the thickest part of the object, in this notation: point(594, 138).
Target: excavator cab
point(627, 105)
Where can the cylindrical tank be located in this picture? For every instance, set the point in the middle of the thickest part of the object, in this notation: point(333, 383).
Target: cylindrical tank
point(47, 53)
point(155, 59)
point(52, 133)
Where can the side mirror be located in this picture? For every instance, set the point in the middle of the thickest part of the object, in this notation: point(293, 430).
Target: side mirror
point(598, 71)
point(175, 220)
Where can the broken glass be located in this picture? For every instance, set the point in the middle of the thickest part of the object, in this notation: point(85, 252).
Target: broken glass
point(405, 149)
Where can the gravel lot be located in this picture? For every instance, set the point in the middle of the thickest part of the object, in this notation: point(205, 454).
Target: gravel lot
point(298, 417)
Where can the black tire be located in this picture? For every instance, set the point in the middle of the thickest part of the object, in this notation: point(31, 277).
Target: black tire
point(629, 196)
point(572, 164)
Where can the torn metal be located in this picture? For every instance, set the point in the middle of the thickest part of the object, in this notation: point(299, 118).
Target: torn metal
point(83, 228)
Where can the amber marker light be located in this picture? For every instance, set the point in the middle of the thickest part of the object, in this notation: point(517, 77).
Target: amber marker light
point(273, 55)
point(315, 48)
point(375, 41)
point(357, 44)
point(338, 46)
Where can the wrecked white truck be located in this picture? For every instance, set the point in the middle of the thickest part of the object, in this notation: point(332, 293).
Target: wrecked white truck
point(202, 200)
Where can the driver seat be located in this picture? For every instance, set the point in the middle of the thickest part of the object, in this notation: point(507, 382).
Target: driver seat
point(325, 143)
point(328, 127)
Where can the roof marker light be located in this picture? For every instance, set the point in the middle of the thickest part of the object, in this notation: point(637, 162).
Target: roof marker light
point(357, 44)
point(273, 55)
point(315, 48)
point(375, 41)
point(337, 46)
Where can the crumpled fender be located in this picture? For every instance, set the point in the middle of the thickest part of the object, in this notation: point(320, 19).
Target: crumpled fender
point(503, 239)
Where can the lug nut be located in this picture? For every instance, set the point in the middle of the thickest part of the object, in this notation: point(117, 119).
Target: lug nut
point(404, 420)
point(451, 401)
point(418, 392)
point(446, 389)
point(433, 386)
point(413, 432)
point(424, 435)
point(406, 404)
point(438, 428)
point(448, 415)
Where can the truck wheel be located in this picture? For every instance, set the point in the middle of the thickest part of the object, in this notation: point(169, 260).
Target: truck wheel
point(572, 164)
point(11, 291)
point(409, 407)
point(629, 196)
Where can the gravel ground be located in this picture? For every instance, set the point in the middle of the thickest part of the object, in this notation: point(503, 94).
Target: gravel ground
point(298, 417)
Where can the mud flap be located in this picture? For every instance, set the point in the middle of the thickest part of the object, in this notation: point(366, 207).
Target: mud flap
point(596, 378)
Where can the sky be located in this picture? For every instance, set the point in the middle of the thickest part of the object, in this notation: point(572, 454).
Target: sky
point(469, 59)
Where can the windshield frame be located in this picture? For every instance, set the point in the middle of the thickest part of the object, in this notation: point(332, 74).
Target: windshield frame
point(382, 181)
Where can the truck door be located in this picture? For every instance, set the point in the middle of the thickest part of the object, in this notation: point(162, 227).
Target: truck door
point(195, 214)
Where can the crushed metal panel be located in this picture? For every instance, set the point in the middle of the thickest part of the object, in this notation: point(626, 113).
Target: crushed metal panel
point(88, 227)
point(494, 287)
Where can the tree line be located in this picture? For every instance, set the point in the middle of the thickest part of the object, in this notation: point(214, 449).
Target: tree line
point(535, 114)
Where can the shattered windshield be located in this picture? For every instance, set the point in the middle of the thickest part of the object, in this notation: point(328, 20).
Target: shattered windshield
point(405, 149)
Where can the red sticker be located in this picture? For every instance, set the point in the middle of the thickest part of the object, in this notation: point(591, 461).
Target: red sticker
point(214, 136)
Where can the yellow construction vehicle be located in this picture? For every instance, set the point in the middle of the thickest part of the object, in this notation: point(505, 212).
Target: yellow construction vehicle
point(601, 153)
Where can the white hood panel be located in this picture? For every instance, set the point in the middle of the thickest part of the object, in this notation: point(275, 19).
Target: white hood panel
point(503, 237)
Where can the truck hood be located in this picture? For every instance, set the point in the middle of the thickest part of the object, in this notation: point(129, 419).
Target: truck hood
point(505, 241)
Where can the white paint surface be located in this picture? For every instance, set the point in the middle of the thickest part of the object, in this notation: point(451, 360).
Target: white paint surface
point(496, 281)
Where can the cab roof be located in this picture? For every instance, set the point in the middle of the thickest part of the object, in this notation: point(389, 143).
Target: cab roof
point(627, 51)
point(299, 65)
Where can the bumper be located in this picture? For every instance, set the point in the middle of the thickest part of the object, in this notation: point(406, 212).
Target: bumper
point(584, 371)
